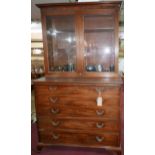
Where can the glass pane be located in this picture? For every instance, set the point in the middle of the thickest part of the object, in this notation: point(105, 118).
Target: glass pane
point(61, 43)
point(99, 43)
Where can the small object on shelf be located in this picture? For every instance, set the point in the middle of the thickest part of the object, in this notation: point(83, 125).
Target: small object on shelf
point(60, 68)
point(65, 67)
point(112, 68)
point(90, 68)
point(99, 68)
point(70, 67)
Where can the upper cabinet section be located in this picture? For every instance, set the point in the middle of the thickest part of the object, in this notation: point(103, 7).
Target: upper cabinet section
point(80, 39)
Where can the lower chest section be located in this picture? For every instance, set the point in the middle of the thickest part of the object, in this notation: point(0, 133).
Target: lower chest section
point(78, 115)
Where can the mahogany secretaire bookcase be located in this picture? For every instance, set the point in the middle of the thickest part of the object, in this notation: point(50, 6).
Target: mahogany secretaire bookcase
point(78, 100)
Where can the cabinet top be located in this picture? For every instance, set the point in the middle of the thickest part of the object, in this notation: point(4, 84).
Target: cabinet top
point(105, 3)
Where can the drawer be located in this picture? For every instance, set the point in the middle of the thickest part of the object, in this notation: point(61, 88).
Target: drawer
point(78, 124)
point(79, 111)
point(54, 137)
point(76, 90)
point(87, 101)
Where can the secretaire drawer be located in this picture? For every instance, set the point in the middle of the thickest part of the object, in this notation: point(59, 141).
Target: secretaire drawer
point(76, 90)
point(53, 137)
point(99, 125)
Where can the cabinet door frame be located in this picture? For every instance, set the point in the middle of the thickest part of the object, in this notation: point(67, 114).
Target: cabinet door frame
point(49, 73)
point(113, 12)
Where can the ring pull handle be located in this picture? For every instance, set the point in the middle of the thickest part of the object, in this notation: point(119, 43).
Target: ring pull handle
point(99, 139)
point(55, 123)
point(99, 125)
point(53, 99)
point(55, 136)
point(99, 112)
point(52, 88)
point(55, 111)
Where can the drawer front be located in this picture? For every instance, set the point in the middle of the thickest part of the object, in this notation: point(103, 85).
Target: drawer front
point(75, 90)
point(60, 111)
point(107, 139)
point(88, 101)
point(78, 124)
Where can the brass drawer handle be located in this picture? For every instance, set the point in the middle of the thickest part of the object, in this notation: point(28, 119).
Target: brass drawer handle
point(55, 111)
point(53, 99)
point(99, 90)
point(99, 139)
point(99, 125)
point(52, 88)
point(99, 112)
point(55, 123)
point(55, 137)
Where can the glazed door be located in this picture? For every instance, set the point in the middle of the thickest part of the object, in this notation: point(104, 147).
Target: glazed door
point(61, 45)
point(99, 44)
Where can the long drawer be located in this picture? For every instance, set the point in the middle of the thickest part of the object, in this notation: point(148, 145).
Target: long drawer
point(55, 137)
point(90, 101)
point(76, 90)
point(79, 111)
point(78, 124)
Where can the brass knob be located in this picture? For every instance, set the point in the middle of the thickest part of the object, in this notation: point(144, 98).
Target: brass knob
point(100, 112)
point(55, 123)
point(99, 139)
point(100, 125)
point(55, 136)
point(55, 111)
